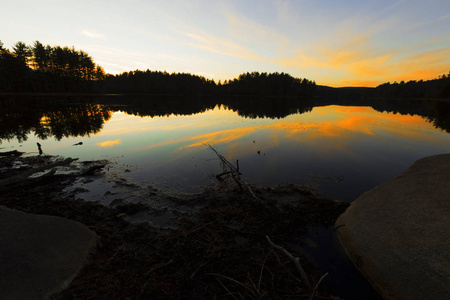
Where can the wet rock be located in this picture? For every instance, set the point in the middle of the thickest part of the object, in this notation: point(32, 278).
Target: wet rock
point(397, 234)
point(40, 255)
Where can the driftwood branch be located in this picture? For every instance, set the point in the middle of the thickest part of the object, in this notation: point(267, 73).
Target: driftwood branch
point(234, 172)
point(295, 260)
point(225, 161)
point(254, 293)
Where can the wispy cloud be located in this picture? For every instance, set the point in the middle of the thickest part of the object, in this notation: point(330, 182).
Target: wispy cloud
point(221, 46)
point(93, 34)
point(245, 30)
point(444, 17)
point(363, 59)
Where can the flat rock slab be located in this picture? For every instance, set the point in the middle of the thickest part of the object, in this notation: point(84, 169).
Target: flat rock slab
point(40, 255)
point(398, 234)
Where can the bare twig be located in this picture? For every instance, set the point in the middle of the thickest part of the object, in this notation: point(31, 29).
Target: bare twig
point(198, 228)
point(229, 293)
point(251, 192)
point(225, 161)
point(199, 267)
point(234, 172)
point(315, 287)
point(228, 168)
point(233, 280)
point(262, 269)
point(295, 260)
point(159, 266)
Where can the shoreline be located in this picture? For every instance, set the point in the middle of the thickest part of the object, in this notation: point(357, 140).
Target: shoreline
point(226, 229)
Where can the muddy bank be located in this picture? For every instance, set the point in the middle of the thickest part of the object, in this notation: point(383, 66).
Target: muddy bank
point(216, 249)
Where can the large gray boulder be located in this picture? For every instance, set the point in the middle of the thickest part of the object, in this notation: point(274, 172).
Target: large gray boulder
point(398, 234)
point(40, 255)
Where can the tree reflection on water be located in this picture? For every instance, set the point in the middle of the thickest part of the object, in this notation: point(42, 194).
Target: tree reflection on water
point(19, 118)
point(83, 117)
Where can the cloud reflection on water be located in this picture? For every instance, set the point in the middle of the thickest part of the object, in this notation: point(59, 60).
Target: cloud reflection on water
point(110, 143)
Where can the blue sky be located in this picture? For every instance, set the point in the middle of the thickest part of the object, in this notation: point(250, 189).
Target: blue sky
point(336, 43)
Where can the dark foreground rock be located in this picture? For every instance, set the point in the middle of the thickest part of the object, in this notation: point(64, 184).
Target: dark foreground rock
point(40, 255)
point(397, 234)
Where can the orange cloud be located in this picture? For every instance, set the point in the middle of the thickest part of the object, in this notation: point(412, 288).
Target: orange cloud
point(351, 57)
point(107, 144)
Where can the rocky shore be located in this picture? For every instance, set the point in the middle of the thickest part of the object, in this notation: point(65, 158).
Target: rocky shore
point(231, 244)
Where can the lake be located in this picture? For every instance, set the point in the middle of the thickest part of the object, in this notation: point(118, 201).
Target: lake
point(339, 147)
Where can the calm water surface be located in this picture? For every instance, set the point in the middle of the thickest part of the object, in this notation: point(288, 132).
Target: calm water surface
point(342, 150)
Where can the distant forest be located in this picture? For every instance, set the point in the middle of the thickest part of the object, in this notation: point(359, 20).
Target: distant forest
point(55, 69)
point(435, 88)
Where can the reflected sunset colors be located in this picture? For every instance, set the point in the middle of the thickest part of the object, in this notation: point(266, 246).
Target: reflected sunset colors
point(340, 150)
point(357, 143)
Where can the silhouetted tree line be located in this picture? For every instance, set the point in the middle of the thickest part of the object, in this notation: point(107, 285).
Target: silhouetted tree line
point(247, 84)
point(268, 84)
point(435, 88)
point(156, 82)
point(40, 68)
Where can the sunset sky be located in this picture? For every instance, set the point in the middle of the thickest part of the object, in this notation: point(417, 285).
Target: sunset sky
point(336, 43)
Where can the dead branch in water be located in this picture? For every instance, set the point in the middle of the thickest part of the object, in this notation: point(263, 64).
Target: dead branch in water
point(229, 169)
